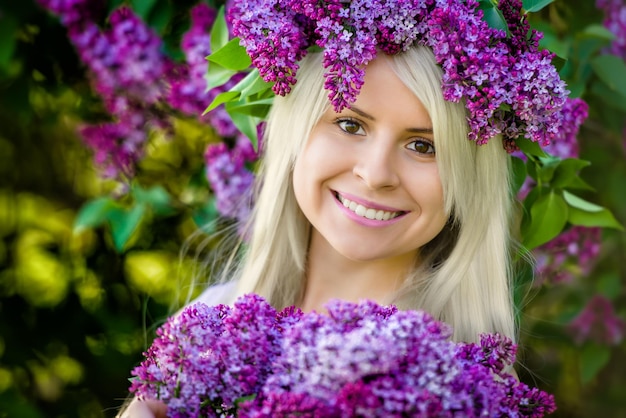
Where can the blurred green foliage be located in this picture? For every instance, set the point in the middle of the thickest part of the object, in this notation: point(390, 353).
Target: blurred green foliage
point(85, 277)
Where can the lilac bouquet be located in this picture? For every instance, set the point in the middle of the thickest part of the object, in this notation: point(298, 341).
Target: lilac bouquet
point(358, 360)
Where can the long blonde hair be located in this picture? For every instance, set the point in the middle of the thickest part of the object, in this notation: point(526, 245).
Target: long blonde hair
point(463, 278)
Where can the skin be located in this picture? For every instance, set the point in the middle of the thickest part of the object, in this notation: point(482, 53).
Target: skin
point(380, 152)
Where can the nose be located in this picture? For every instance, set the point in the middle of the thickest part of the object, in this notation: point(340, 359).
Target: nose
point(376, 165)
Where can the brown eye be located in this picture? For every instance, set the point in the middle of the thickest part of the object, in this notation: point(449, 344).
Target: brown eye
point(422, 147)
point(350, 126)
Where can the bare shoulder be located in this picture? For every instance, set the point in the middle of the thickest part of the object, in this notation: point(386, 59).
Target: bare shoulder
point(217, 294)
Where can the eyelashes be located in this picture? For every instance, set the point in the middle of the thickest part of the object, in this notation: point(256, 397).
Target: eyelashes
point(352, 126)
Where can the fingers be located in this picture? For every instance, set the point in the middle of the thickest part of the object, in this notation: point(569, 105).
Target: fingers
point(145, 409)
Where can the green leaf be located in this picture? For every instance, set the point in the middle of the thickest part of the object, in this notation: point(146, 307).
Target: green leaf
point(231, 56)
point(597, 30)
point(93, 213)
point(142, 8)
point(219, 31)
point(257, 108)
point(579, 203)
point(593, 358)
point(611, 69)
point(548, 166)
point(246, 124)
point(603, 218)
point(160, 16)
point(529, 147)
point(157, 198)
point(608, 96)
point(217, 75)
point(567, 172)
point(519, 173)
point(548, 216)
point(252, 84)
point(494, 17)
point(206, 215)
point(531, 6)
point(610, 285)
point(8, 28)
point(222, 98)
point(124, 222)
point(580, 184)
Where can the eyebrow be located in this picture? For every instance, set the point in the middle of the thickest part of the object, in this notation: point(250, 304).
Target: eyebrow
point(370, 117)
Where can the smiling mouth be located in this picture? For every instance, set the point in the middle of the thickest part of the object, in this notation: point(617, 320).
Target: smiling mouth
point(365, 212)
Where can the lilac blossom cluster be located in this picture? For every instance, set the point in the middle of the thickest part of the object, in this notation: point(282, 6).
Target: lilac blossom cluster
point(509, 86)
point(230, 178)
point(188, 87)
point(206, 358)
point(615, 21)
point(598, 322)
point(128, 70)
point(356, 360)
point(571, 254)
point(135, 79)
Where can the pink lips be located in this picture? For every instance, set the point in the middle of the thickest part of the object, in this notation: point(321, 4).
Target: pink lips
point(362, 220)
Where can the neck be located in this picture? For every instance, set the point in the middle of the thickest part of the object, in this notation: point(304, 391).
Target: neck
point(333, 276)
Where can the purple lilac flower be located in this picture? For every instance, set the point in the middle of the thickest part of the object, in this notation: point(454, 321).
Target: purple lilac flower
point(571, 254)
point(615, 21)
point(598, 322)
point(188, 92)
point(357, 360)
point(509, 85)
point(117, 145)
point(74, 12)
point(127, 69)
point(230, 179)
point(205, 358)
point(371, 361)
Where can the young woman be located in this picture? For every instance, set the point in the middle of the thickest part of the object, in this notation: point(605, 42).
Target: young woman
point(383, 199)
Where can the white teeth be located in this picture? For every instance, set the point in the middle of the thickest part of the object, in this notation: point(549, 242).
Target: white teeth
point(365, 212)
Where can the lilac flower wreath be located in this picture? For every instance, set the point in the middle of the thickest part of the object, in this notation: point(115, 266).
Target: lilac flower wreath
point(510, 87)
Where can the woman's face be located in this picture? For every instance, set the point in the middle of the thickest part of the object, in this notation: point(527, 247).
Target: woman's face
point(367, 179)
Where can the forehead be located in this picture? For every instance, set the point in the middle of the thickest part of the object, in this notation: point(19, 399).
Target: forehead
point(384, 94)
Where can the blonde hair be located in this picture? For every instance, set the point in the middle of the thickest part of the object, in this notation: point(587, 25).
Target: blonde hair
point(463, 277)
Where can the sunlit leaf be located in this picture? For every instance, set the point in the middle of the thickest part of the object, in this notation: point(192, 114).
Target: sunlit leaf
point(247, 125)
point(93, 213)
point(548, 216)
point(217, 75)
point(603, 218)
point(219, 31)
point(124, 222)
point(231, 56)
point(157, 198)
point(532, 6)
point(222, 98)
point(206, 215)
point(258, 108)
point(253, 84)
point(580, 203)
